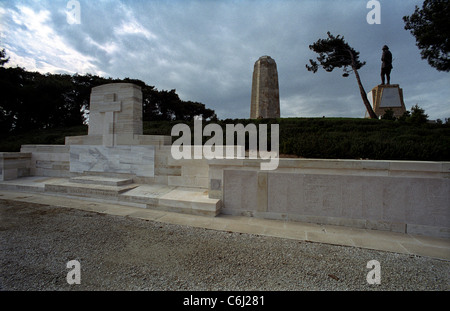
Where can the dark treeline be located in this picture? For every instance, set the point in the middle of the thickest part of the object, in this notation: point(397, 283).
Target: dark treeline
point(30, 100)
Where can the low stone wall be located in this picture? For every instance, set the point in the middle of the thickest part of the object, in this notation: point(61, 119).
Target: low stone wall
point(399, 196)
point(194, 173)
point(14, 165)
point(48, 160)
point(54, 161)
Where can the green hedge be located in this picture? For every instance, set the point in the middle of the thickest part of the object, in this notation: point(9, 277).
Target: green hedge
point(347, 138)
point(327, 138)
point(366, 139)
point(56, 136)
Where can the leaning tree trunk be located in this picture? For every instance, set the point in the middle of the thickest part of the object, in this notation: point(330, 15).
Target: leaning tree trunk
point(361, 90)
point(364, 96)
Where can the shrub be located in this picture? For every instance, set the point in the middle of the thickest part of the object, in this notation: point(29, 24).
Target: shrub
point(341, 138)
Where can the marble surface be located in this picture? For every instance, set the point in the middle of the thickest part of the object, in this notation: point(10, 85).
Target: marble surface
point(138, 160)
point(390, 97)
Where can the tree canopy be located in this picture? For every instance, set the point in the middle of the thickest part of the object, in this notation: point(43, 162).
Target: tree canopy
point(334, 52)
point(430, 25)
point(30, 100)
point(3, 58)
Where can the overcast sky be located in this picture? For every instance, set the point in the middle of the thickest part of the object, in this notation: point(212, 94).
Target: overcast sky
point(206, 49)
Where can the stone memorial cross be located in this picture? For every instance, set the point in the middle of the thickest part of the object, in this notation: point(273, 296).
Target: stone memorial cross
point(108, 108)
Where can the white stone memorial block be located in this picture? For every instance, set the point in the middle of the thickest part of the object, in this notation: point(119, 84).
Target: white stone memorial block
point(115, 118)
point(138, 160)
point(115, 110)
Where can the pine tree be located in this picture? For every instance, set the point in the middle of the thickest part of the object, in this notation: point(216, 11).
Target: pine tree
point(334, 52)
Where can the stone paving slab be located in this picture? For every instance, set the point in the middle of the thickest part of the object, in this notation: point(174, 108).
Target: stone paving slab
point(152, 196)
point(372, 239)
point(146, 194)
point(87, 190)
point(101, 180)
point(192, 201)
point(35, 184)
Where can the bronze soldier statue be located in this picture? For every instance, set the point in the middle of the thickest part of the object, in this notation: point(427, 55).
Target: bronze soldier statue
point(386, 65)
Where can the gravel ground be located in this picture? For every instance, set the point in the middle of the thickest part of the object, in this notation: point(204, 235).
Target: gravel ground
point(122, 253)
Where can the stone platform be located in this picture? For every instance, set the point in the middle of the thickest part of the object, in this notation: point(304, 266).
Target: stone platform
point(122, 191)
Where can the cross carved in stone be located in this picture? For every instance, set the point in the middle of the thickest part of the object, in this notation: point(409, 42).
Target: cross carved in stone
point(109, 106)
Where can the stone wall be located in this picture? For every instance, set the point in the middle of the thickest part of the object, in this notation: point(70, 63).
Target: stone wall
point(48, 160)
point(54, 161)
point(14, 165)
point(192, 173)
point(399, 196)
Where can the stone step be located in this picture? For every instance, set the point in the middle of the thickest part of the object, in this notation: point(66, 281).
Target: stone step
point(31, 184)
point(145, 194)
point(173, 199)
point(87, 190)
point(188, 201)
point(154, 196)
point(102, 180)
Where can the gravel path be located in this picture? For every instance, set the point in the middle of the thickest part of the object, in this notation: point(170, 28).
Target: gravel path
point(122, 253)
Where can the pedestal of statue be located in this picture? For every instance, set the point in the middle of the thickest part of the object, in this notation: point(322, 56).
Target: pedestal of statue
point(387, 96)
